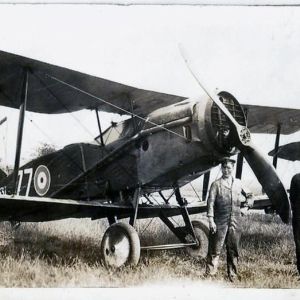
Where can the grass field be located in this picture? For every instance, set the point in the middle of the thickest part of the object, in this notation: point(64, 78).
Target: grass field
point(66, 254)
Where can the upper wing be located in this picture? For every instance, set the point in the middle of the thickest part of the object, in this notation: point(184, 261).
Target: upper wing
point(53, 89)
point(265, 119)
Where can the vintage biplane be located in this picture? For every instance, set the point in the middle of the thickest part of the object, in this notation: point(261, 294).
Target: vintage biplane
point(166, 142)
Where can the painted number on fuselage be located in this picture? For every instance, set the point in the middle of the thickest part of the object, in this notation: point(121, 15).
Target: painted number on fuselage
point(20, 180)
point(41, 180)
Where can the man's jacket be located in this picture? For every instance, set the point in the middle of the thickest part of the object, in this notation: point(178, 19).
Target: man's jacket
point(224, 201)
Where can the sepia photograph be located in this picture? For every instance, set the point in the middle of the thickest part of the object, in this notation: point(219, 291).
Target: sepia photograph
point(150, 145)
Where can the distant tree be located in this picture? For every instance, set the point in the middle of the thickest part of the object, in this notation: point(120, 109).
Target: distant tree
point(2, 174)
point(43, 149)
point(7, 169)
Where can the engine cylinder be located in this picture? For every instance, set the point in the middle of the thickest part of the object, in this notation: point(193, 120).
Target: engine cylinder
point(218, 128)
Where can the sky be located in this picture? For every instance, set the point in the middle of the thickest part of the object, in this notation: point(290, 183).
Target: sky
point(252, 52)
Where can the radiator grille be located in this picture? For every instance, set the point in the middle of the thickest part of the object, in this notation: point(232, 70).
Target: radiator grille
point(220, 123)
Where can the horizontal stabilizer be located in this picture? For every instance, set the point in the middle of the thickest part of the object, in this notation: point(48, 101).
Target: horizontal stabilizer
point(289, 151)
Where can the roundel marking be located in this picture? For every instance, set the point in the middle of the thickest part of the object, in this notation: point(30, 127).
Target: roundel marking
point(42, 180)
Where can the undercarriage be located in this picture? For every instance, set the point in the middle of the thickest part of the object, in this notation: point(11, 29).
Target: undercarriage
point(121, 244)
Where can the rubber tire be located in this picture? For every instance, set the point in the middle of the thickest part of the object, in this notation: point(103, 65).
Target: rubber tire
point(202, 232)
point(128, 232)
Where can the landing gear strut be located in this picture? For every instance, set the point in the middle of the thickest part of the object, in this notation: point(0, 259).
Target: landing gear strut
point(121, 244)
point(194, 235)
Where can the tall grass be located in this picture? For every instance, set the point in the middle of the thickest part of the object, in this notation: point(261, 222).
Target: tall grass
point(67, 254)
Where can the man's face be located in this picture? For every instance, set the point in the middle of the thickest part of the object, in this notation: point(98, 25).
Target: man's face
point(227, 169)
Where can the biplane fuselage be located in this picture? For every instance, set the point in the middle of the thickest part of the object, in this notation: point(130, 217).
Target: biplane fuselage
point(134, 155)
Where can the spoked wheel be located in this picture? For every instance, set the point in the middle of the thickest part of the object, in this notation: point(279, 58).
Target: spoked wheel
point(120, 246)
point(201, 231)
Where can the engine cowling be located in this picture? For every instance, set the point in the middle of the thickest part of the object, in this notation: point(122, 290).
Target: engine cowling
point(219, 127)
point(214, 129)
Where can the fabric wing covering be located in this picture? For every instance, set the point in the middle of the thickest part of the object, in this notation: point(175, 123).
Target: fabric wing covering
point(53, 89)
point(265, 119)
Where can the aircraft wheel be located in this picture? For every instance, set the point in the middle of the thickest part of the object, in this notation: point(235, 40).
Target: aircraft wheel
point(120, 246)
point(202, 233)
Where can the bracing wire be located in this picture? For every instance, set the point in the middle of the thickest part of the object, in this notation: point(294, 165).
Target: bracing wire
point(195, 192)
point(76, 119)
point(115, 106)
point(159, 205)
point(43, 132)
point(40, 129)
point(58, 100)
point(107, 138)
point(146, 120)
point(146, 227)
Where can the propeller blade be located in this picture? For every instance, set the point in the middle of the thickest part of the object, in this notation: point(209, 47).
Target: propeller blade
point(268, 178)
point(263, 170)
point(214, 98)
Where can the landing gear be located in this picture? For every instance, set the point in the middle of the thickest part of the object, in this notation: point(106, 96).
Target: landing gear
point(120, 246)
point(201, 232)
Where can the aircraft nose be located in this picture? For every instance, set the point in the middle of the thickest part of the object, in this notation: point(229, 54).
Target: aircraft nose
point(221, 126)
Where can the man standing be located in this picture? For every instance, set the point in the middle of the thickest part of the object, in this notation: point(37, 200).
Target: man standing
point(295, 203)
point(224, 214)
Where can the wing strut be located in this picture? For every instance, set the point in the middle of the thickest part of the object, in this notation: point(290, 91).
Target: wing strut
point(135, 203)
point(132, 115)
point(99, 126)
point(275, 157)
point(22, 108)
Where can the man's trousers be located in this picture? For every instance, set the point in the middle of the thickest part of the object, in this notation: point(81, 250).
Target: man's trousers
point(230, 235)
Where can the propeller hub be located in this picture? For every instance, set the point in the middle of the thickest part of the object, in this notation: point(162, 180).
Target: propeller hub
point(245, 136)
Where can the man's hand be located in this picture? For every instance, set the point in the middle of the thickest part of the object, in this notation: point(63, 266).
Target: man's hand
point(212, 225)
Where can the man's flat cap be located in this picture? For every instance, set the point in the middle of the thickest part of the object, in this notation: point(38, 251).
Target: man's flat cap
point(227, 159)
